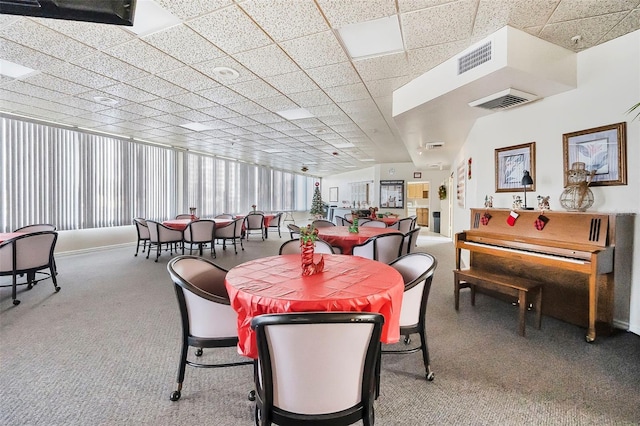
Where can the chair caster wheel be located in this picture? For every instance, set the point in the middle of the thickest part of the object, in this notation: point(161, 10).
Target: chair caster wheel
point(252, 396)
point(430, 376)
point(175, 395)
point(57, 289)
point(407, 340)
point(16, 302)
point(199, 352)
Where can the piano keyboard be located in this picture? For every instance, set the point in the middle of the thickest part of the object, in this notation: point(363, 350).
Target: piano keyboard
point(530, 253)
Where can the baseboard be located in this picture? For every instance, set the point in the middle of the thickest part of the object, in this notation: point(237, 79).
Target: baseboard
point(93, 249)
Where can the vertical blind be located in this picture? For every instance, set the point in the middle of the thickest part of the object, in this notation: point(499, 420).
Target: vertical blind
point(77, 180)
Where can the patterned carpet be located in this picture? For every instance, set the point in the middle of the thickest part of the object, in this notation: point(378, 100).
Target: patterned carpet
point(104, 351)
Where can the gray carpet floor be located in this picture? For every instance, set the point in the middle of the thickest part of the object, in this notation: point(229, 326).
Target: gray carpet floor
point(104, 351)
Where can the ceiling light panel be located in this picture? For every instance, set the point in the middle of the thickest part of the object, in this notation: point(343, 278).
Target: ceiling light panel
point(372, 38)
point(151, 17)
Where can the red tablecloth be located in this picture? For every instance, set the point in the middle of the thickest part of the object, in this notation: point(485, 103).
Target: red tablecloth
point(181, 224)
point(4, 236)
point(348, 283)
point(340, 236)
point(388, 220)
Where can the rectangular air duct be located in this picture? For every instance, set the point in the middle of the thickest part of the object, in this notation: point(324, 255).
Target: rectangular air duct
point(504, 99)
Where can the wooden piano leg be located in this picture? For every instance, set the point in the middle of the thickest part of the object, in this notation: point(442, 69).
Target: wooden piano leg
point(522, 298)
point(593, 303)
point(539, 308)
point(456, 290)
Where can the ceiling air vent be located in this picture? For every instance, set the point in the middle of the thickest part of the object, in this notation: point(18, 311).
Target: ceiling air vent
point(505, 99)
point(474, 58)
point(434, 145)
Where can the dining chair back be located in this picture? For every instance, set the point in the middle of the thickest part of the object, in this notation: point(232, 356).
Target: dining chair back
point(224, 216)
point(29, 254)
point(294, 230)
point(317, 367)
point(274, 224)
point(405, 225)
point(143, 233)
point(293, 247)
point(161, 235)
point(208, 321)
point(36, 227)
point(374, 224)
point(254, 222)
point(363, 220)
point(415, 220)
point(183, 216)
point(417, 271)
point(341, 221)
point(410, 239)
point(322, 223)
point(201, 233)
point(383, 248)
point(231, 232)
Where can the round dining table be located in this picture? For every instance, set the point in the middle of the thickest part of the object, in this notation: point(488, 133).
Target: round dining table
point(339, 236)
point(181, 224)
point(348, 283)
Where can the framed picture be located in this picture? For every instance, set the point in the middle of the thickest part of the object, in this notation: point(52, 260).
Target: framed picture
point(417, 175)
point(460, 192)
point(511, 162)
point(333, 194)
point(391, 194)
point(601, 149)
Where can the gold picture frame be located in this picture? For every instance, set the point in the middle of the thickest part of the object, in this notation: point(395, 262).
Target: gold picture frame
point(603, 149)
point(511, 162)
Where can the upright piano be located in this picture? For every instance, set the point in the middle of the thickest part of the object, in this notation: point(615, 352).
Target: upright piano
point(570, 253)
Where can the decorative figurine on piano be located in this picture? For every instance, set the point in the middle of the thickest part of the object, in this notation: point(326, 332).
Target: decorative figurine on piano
point(517, 202)
point(543, 202)
point(488, 201)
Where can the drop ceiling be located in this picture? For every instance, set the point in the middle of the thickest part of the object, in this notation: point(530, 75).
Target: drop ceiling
point(287, 56)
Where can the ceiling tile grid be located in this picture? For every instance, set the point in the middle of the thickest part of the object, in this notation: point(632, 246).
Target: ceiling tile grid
point(287, 54)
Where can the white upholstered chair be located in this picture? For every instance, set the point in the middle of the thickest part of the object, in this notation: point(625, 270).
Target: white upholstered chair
point(373, 224)
point(417, 271)
point(143, 233)
point(254, 222)
point(232, 233)
point(208, 321)
point(200, 233)
point(293, 247)
point(322, 223)
point(317, 366)
point(294, 230)
point(383, 248)
point(274, 224)
point(410, 239)
point(29, 254)
point(161, 235)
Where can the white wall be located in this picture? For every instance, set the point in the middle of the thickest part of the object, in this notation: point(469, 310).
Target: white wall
point(608, 85)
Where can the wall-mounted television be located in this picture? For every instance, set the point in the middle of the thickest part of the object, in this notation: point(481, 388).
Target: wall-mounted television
point(117, 12)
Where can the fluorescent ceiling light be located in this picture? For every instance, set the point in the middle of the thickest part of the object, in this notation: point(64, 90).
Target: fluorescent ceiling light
point(295, 114)
point(198, 127)
point(372, 38)
point(13, 70)
point(343, 145)
point(367, 159)
point(272, 150)
point(150, 18)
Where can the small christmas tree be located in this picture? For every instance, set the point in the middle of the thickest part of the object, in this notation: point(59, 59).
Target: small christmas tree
point(316, 202)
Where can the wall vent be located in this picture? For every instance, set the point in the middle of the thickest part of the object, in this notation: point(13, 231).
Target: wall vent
point(474, 58)
point(505, 99)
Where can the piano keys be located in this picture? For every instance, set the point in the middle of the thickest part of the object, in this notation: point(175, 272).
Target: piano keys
point(572, 256)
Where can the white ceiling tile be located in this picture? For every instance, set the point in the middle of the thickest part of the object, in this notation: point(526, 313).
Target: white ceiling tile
point(395, 65)
point(293, 82)
point(247, 108)
point(54, 83)
point(411, 5)
point(241, 121)
point(128, 92)
point(285, 20)
point(188, 9)
point(74, 73)
point(267, 61)
point(447, 23)
point(494, 14)
point(141, 55)
point(132, 125)
point(351, 92)
point(26, 56)
point(142, 110)
point(341, 13)
point(192, 101)
point(311, 98)
point(315, 50)
point(99, 36)
point(101, 118)
point(208, 67)
point(152, 122)
point(92, 94)
point(193, 116)
point(184, 44)
point(569, 10)
point(219, 112)
point(19, 86)
point(334, 75)
point(628, 24)
point(590, 29)
point(188, 78)
point(109, 66)
point(256, 89)
point(277, 103)
point(166, 105)
point(215, 27)
point(118, 114)
point(422, 60)
point(45, 40)
point(385, 87)
point(171, 120)
point(267, 118)
point(84, 104)
point(157, 86)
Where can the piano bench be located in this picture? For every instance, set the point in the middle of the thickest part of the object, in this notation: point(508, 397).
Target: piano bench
point(506, 284)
